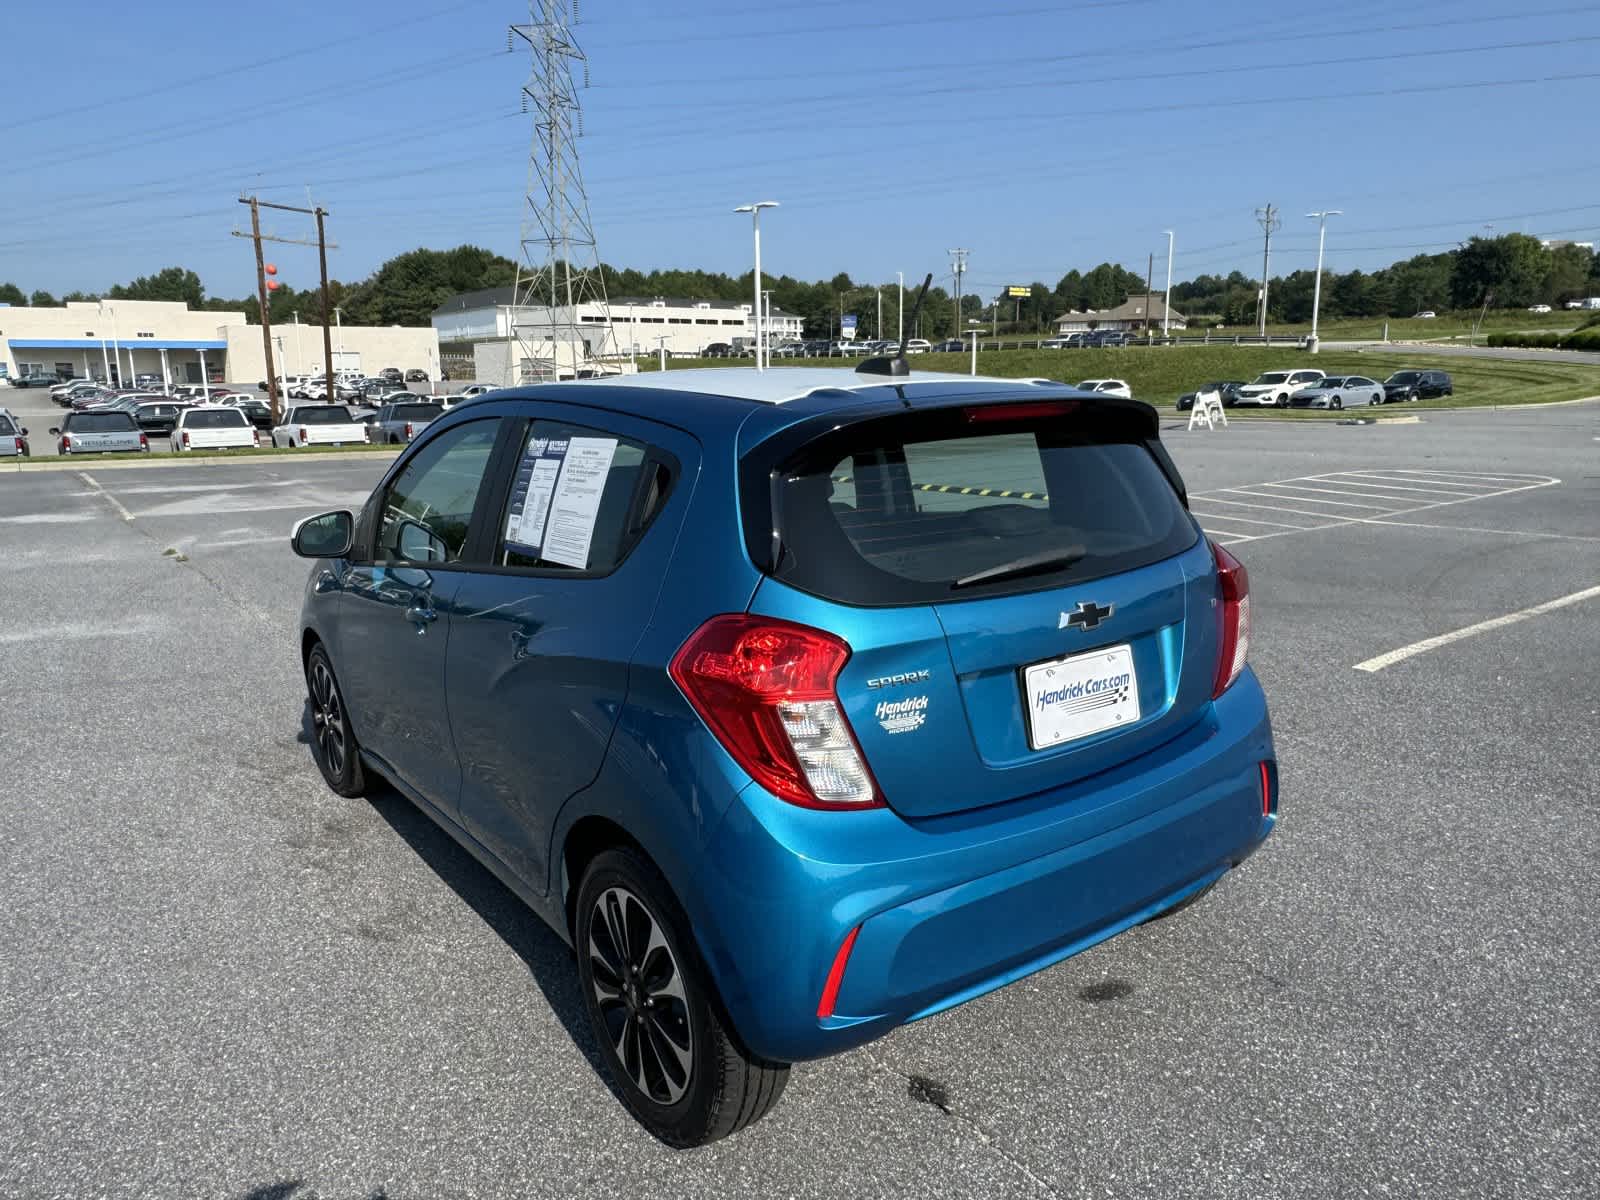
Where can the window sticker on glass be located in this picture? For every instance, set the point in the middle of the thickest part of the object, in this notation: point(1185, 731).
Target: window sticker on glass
point(530, 495)
point(576, 504)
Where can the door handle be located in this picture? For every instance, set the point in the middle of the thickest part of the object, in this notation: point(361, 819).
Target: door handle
point(422, 616)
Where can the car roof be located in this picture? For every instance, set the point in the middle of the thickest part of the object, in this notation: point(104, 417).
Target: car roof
point(785, 385)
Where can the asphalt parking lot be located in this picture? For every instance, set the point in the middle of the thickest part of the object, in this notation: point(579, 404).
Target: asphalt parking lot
point(219, 979)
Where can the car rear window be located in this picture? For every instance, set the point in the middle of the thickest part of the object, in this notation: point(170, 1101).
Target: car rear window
point(100, 422)
point(7, 429)
point(222, 418)
point(333, 414)
point(935, 507)
point(416, 412)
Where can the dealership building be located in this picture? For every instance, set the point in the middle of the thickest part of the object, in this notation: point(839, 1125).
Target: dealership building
point(120, 340)
point(636, 324)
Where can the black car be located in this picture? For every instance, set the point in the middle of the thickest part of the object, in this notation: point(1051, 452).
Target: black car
point(22, 381)
point(157, 419)
point(416, 375)
point(718, 350)
point(392, 375)
point(1108, 337)
point(1228, 388)
point(256, 412)
point(950, 346)
point(1417, 385)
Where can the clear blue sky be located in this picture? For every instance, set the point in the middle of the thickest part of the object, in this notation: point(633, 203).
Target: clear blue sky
point(1043, 136)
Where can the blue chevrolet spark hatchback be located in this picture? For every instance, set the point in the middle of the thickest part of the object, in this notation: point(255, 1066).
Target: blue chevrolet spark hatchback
point(802, 703)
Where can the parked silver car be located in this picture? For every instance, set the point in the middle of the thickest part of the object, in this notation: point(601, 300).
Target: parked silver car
point(13, 436)
point(397, 424)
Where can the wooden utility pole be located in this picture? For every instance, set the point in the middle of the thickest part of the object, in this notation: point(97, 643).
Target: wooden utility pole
point(327, 335)
point(261, 298)
point(256, 205)
point(1149, 281)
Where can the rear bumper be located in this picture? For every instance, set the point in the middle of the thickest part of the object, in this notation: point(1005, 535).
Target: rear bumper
point(952, 907)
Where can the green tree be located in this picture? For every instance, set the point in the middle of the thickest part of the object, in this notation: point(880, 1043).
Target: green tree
point(42, 299)
point(1568, 276)
point(173, 283)
point(80, 297)
point(10, 293)
point(409, 287)
point(1512, 268)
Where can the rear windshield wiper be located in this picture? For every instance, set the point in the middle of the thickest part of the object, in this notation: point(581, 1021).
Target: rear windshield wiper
point(1030, 564)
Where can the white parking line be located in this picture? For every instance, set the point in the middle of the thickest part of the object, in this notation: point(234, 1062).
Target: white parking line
point(1469, 488)
point(1245, 520)
point(1445, 639)
point(1304, 499)
point(115, 503)
point(1531, 533)
point(1470, 475)
point(1276, 508)
point(1336, 491)
point(1390, 486)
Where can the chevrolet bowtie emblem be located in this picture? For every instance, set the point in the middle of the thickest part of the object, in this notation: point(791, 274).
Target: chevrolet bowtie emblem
point(1087, 615)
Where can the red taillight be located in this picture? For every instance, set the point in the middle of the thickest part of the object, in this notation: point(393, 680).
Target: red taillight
point(255, 437)
point(19, 445)
point(144, 441)
point(1268, 807)
point(830, 989)
point(1233, 641)
point(66, 442)
point(185, 439)
point(765, 688)
point(1017, 412)
point(304, 436)
point(408, 431)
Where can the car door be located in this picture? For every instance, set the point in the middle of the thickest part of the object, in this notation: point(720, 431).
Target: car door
point(395, 620)
point(578, 542)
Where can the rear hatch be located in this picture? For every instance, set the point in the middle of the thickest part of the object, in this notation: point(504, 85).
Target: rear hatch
point(1027, 600)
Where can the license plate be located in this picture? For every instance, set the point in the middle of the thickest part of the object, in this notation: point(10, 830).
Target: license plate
point(1071, 698)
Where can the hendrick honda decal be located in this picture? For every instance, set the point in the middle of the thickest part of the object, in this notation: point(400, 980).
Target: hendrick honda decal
point(902, 716)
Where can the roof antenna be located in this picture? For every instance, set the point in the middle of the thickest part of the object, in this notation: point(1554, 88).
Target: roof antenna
point(897, 366)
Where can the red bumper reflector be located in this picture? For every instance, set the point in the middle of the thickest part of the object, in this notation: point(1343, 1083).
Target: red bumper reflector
point(830, 990)
point(1266, 791)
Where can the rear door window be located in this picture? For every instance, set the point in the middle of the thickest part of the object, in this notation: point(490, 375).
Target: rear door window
point(221, 418)
point(7, 429)
point(933, 507)
point(333, 414)
point(581, 498)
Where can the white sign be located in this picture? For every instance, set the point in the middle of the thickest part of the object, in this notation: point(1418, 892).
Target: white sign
point(576, 503)
point(1078, 696)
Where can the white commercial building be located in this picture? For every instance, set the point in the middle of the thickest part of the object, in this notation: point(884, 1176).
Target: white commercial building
point(120, 340)
point(636, 324)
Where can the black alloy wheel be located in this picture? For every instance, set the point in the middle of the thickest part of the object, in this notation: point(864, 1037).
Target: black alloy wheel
point(1337, 403)
point(1283, 400)
point(668, 1049)
point(333, 746)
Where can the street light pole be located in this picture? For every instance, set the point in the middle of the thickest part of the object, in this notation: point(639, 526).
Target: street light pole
point(1166, 296)
point(1316, 291)
point(755, 221)
point(900, 320)
point(974, 327)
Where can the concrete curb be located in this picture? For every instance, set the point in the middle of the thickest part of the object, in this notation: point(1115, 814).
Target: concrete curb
point(210, 460)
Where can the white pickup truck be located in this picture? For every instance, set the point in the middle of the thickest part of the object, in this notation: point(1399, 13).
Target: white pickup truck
point(318, 425)
point(213, 427)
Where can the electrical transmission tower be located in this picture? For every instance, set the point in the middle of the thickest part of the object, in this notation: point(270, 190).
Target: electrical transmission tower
point(559, 271)
point(958, 267)
point(1270, 223)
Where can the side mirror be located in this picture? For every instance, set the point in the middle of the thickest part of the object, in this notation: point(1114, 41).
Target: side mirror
point(418, 543)
point(24, 431)
point(326, 536)
point(55, 430)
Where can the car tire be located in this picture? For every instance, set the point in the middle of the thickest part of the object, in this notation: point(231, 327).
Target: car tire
point(1337, 404)
point(1377, 398)
point(333, 745)
point(682, 1073)
point(1283, 401)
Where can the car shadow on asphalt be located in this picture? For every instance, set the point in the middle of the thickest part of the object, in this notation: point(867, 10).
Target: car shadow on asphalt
point(548, 958)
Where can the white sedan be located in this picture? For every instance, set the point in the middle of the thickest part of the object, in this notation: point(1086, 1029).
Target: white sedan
point(318, 425)
point(1539, 308)
point(1106, 387)
point(213, 427)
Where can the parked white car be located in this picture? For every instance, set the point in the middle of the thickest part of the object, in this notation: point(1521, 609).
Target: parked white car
point(1426, 314)
point(318, 425)
point(213, 427)
point(918, 345)
point(1539, 308)
point(1272, 389)
point(1107, 387)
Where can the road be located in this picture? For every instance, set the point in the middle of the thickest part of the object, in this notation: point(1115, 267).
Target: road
point(1445, 348)
point(218, 979)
